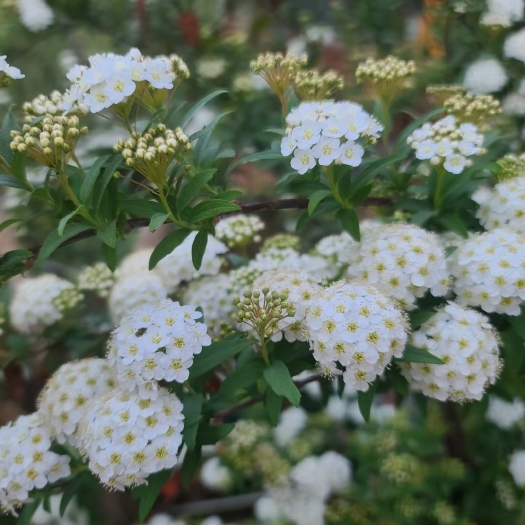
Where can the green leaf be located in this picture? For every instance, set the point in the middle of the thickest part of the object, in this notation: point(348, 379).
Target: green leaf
point(192, 417)
point(210, 209)
point(419, 317)
point(142, 208)
point(198, 248)
point(193, 187)
point(8, 223)
point(18, 169)
point(211, 434)
point(254, 157)
point(375, 167)
point(7, 180)
point(92, 174)
point(215, 354)
point(199, 105)
point(70, 492)
point(172, 116)
point(105, 177)
point(350, 222)
point(414, 354)
point(316, 198)
point(454, 224)
point(365, 400)
point(167, 245)
point(65, 220)
point(12, 263)
point(229, 195)
point(108, 234)
point(27, 513)
point(155, 119)
point(148, 494)
point(157, 221)
point(280, 381)
point(9, 124)
point(110, 256)
point(54, 240)
point(227, 153)
point(242, 378)
point(273, 403)
point(190, 465)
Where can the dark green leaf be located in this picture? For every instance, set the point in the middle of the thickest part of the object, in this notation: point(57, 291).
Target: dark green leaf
point(110, 256)
point(108, 234)
point(142, 207)
point(190, 465)
point(7, 180)
point(103, 181)
point(65, 220)
point(365, 400)
point(421, 217)
point(316, 198)
point(18, 169)
point(350, 222)
point(242, 378)
point(70, 492)
point(92, 174)
point(280, 381)
point(199, 105)
point(414, 354)
point(211, 434)
point(192, 188)
point(171, 119)
point(28, 511)
point(273, 404)
point(167, 245)
point(375, 167)
point(254, 157)
point(227, 153)
point(419, 317)
point(54, 240)
point(229, 195)
point(155, 119)
point(210, 209)
point(8, 223)
point(198, 248)
point(192, 416)
point(454, 224)
point(157, 221)
point(12, 263)
point(148, 494)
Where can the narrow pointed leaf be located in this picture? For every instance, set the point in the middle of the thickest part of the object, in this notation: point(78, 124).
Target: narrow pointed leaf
point(167, 245)
point(198, 248)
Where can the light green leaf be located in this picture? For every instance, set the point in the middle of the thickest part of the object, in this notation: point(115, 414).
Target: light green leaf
point(198, 248)
point(103, 180)
point(65, 220)
point(316, 198)
point(254, 157)
point(54, 240)
point(210, 209)
point(7, 180)
point(199, 105)
point(242, 378)
point(414, 354)
point(157, 221)
point(280, 381)
point(192, 188)
point(92, 174)
point(167, 245)
point(142, 207)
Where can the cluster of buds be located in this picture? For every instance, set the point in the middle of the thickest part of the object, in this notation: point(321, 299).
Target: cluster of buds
point(473, 108)
point(179, 67)
point(440, 93)
point(67, 299)
point(50, 105)
point(226, 330)
point(282, 241)
point(50, 141)
point(511, 167)
point(152, 153)
point(386, 77)
point(278, 70)
point(310, 85)
point(97, 278)
point(263, 311)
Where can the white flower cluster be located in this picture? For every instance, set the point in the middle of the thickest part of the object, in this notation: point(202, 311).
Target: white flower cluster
point(127, 437)
point(10, 71)
point(503, 12)
point(505, 414)
point(64, 401)
point(486, 75)
point(517, 467)
point(111, 78)
point(215, 476)
point(239, 230)
point(489, 271)
point(97, 278)
point(402, 260)
point(292, 422)
point(213, 295)
point(26, 461)
point(357, 327)
point(447, 142)
point(514, 46)
point(301, 289)
point(467, 344)
point(156, 342)
point(504, 206)
point(33, 306)
point(36, 15)
point(327, 132)
point(209, 68)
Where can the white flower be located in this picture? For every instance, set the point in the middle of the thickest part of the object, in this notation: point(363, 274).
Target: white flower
point(10, 71)
point(239, 230)
point(514, 46)
point(357, 327)
point(97, 278)
point(308, 134)
point(211, 67)
point(512, 9)
point(135, 262)
point(164, 519)
point(212, 520)
point(336, 469)
point(64, 400)
point(36, 15)
point(488, 271)
point(485, 76)
point(467, 344)
point(291, 423)
point(34, 304)
point(288, 146)
point(514, 104)
point(403, 260)
point(155, 342)
point(266, 510)
point(351, 153)
point(126, 437)
point(455, 163)
point(214, 475)
point(426, 149)
point(503, 206)
point(517, 467)
point(303, 160)
point(504, 414)
point(157, 73)
point(326, 151)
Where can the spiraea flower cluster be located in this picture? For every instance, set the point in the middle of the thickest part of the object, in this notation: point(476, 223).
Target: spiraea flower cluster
point(468, 346)
point(26, 461)
point(239, 230)
point(97, 278)
point(299, 288)
point(8, 72)
point(110, 79)
point(356, 327)
point(36, 304)
point(126, 436)
point(325, 133)
point(447, 142)
point(404, 261)
point(504, 206)
point(476, 109)
point(152, 153)
point(510, 167)
point(65, 399)
point(502, 13)
point(505, 414)
point(310, 85)
point(281, 241)
point(489, 271)
point(156, 342)
point(50, 105)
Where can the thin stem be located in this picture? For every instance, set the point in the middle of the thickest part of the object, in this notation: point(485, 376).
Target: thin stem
point(162, 198)
point(333, 186)
point(264, 350)
point(77, 162)
point(72, 197)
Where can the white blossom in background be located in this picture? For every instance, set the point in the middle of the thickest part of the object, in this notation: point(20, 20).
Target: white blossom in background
point(514, 104)
point(266, 510)
point(485, 76)
point(213, 295)
point(292, 422)
point(357, 327)
point(325, 35)
point(215, 476)
point(178, 267)
point(64, 400)
point(336, 469)
point(514, 46)
point(156, 342)
point(36, 303)
point(239, 230)
point(503, 12)
point(26, 461)
point(503, 206)
point(467, 344)
point(74, 515)
point(97, 278)
point(126, 437)
point(404, 261)
point(209, 68)
point(327, 132)
point(488, 271)
point(135, 262)
point(301, 289)
point(517, 467)
point(164, 519)
point(447, 142)
point(35, 15)
point(131, 292)
point(10, 71)
point(505, 414)
point(212, 520)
